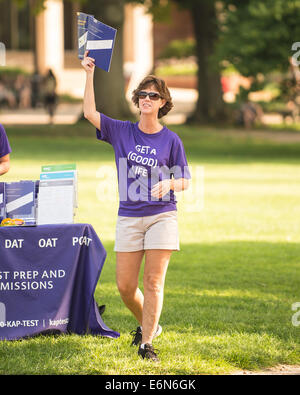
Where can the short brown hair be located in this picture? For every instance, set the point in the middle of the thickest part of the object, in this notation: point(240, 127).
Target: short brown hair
point(161, 87)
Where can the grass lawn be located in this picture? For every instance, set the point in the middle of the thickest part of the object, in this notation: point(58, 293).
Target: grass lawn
point(230, 289)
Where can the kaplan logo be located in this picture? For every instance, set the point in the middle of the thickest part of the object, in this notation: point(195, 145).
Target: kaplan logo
point(2, 315)
point(2, 54)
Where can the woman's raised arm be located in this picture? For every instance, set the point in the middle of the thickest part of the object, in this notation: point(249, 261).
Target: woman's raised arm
point(89, 106)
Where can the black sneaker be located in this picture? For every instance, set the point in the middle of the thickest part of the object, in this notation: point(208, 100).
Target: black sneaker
point(137, 336)
point(148, 352)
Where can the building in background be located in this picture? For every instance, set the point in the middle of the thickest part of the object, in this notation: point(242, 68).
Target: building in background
point(55, 40)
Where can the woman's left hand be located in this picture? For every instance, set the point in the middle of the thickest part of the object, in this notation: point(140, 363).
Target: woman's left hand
point(161, 188)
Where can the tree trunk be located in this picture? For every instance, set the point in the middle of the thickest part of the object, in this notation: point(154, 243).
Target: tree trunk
point(210, 105)
point(32, 30)
point(110, 86)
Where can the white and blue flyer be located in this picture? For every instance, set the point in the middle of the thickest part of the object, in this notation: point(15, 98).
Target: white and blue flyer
point(97, 38)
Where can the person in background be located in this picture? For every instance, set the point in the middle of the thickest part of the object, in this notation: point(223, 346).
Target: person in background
point(23, 91)
point(35, 82)
point(49, 90)
point(5, 150)
point(7, 97)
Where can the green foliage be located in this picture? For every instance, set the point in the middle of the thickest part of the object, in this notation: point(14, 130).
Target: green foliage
point(289, 89)
point(179, 49)
point(36, 6)
point(160, 9)
point(257, 36)
point(176, 69)
point(12, 72)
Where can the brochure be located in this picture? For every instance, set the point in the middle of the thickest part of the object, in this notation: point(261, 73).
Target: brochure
point(57, 198)
point(97, 38)
point(62, 171)
point(2, 201)
point(20, 201)
point(82, 26)
point(56, 202)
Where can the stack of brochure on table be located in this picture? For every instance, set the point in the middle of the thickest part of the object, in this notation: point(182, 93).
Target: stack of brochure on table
point(57, 198)
point(18, 201)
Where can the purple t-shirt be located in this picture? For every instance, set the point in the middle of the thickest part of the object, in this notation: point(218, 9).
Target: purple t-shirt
point(4, 143)
point(142, 161)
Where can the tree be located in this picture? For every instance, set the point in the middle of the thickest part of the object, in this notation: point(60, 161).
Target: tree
point(36, 6)
point(110, 87)
point(210, 105)
point(110, 97)
point(109, 92)
point(257, 37)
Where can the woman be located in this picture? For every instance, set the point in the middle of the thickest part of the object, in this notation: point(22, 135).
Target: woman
point(151, 165)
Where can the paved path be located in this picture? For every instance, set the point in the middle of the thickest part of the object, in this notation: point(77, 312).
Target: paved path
point(65, 114)
point(68, 113)
point(184, 102)
point(277, 370)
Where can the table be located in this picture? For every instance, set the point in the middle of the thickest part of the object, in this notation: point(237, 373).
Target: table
point(48, 276)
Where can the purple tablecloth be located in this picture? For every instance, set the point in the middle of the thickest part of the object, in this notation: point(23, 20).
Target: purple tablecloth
point(48, 276)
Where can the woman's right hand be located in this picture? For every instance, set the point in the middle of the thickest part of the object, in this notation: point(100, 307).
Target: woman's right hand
point(88, 63)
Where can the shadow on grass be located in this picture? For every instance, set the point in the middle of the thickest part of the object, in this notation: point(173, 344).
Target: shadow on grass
point(231, 301)
point(78, 142)
point(240, 286)
point(227, 306)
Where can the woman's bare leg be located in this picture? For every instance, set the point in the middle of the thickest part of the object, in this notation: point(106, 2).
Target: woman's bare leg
point(156, 264)
point(127, 275)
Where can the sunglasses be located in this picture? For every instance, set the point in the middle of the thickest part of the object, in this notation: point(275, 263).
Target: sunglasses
point(152, 95)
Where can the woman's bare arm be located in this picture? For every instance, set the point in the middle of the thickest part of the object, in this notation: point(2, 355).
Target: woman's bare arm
point(89, 106)
point(4, 164)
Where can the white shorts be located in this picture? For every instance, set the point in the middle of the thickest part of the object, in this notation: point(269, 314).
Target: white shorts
point(158, 231)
